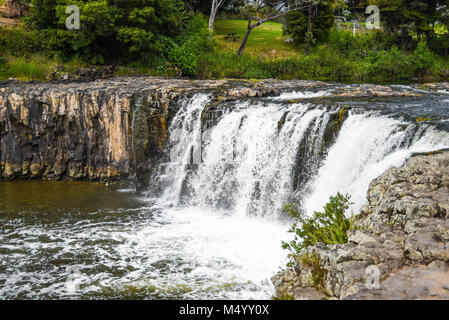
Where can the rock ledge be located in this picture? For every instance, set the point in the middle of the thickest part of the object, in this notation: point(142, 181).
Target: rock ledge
point(403, 242)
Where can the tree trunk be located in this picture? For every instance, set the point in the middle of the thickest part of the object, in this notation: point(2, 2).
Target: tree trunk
point(213, 13)
point(245, 39)
point(309, 30)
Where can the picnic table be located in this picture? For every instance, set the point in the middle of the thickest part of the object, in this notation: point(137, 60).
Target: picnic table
point(231, 37)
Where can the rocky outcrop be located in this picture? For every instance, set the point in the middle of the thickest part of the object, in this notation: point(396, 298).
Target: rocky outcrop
point(400, 249)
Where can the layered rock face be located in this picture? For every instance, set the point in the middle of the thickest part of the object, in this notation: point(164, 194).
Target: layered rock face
point(74, 131)
point(113, 129)
point(100, 131)
point(400, 250)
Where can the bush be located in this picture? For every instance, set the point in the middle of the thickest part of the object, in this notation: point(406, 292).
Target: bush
point(394, 65)
point(329, 227)
point(110, 30)
point(183, 58)
point(194, 42)
point(296, 24)
point(20, 41)
point(360, 45)
point(197, 35)
point(424, 59)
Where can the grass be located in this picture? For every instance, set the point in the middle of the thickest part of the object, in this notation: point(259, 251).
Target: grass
point(266, 40)
point(35, 67)
point(25, 69)
point(360, 59)
point(312, 262)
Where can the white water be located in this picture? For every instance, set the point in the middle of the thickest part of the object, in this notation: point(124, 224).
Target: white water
point(249, 162)
point(209, 254)
point(303, 95)
point(367, 146)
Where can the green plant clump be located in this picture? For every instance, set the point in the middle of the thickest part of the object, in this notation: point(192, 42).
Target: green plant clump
point(329, 227)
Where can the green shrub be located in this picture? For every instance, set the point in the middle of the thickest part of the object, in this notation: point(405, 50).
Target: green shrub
point(330, 226)
point(360, 45)
point(297, 21)
point(194, 42)
point(197, 35)
point(20, 41)
point(424, 59)
point(183, 58)
point(312, 261)
point(111, 30)
point(394, 65)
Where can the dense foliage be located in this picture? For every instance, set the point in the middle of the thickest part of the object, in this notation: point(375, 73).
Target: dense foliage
point(171, 38)
point(296, 24)
point(111, 30)
point(405, 18)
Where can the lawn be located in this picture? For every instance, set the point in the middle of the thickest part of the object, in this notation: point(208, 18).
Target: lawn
point(265, 40)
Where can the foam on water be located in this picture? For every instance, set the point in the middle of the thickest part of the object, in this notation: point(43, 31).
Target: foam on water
point(303, 95)
point(178, 253)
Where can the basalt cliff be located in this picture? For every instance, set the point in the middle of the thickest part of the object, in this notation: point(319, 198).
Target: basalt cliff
point(118, 130)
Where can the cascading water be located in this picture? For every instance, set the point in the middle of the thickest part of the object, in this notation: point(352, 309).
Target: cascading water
point(212, 223)
point(368, 144)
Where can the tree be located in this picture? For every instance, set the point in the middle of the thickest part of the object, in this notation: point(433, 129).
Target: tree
point(125, 30)
point(297, 24)
point(43, 13)
point(261, 11)
point(314, 23)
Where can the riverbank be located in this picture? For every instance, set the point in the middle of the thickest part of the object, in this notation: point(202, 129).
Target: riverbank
point(401, 249)
point(368, 57)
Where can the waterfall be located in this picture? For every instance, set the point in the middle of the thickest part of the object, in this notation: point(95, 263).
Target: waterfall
point(262, 154)
point(212, 224)
point(185, 139)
